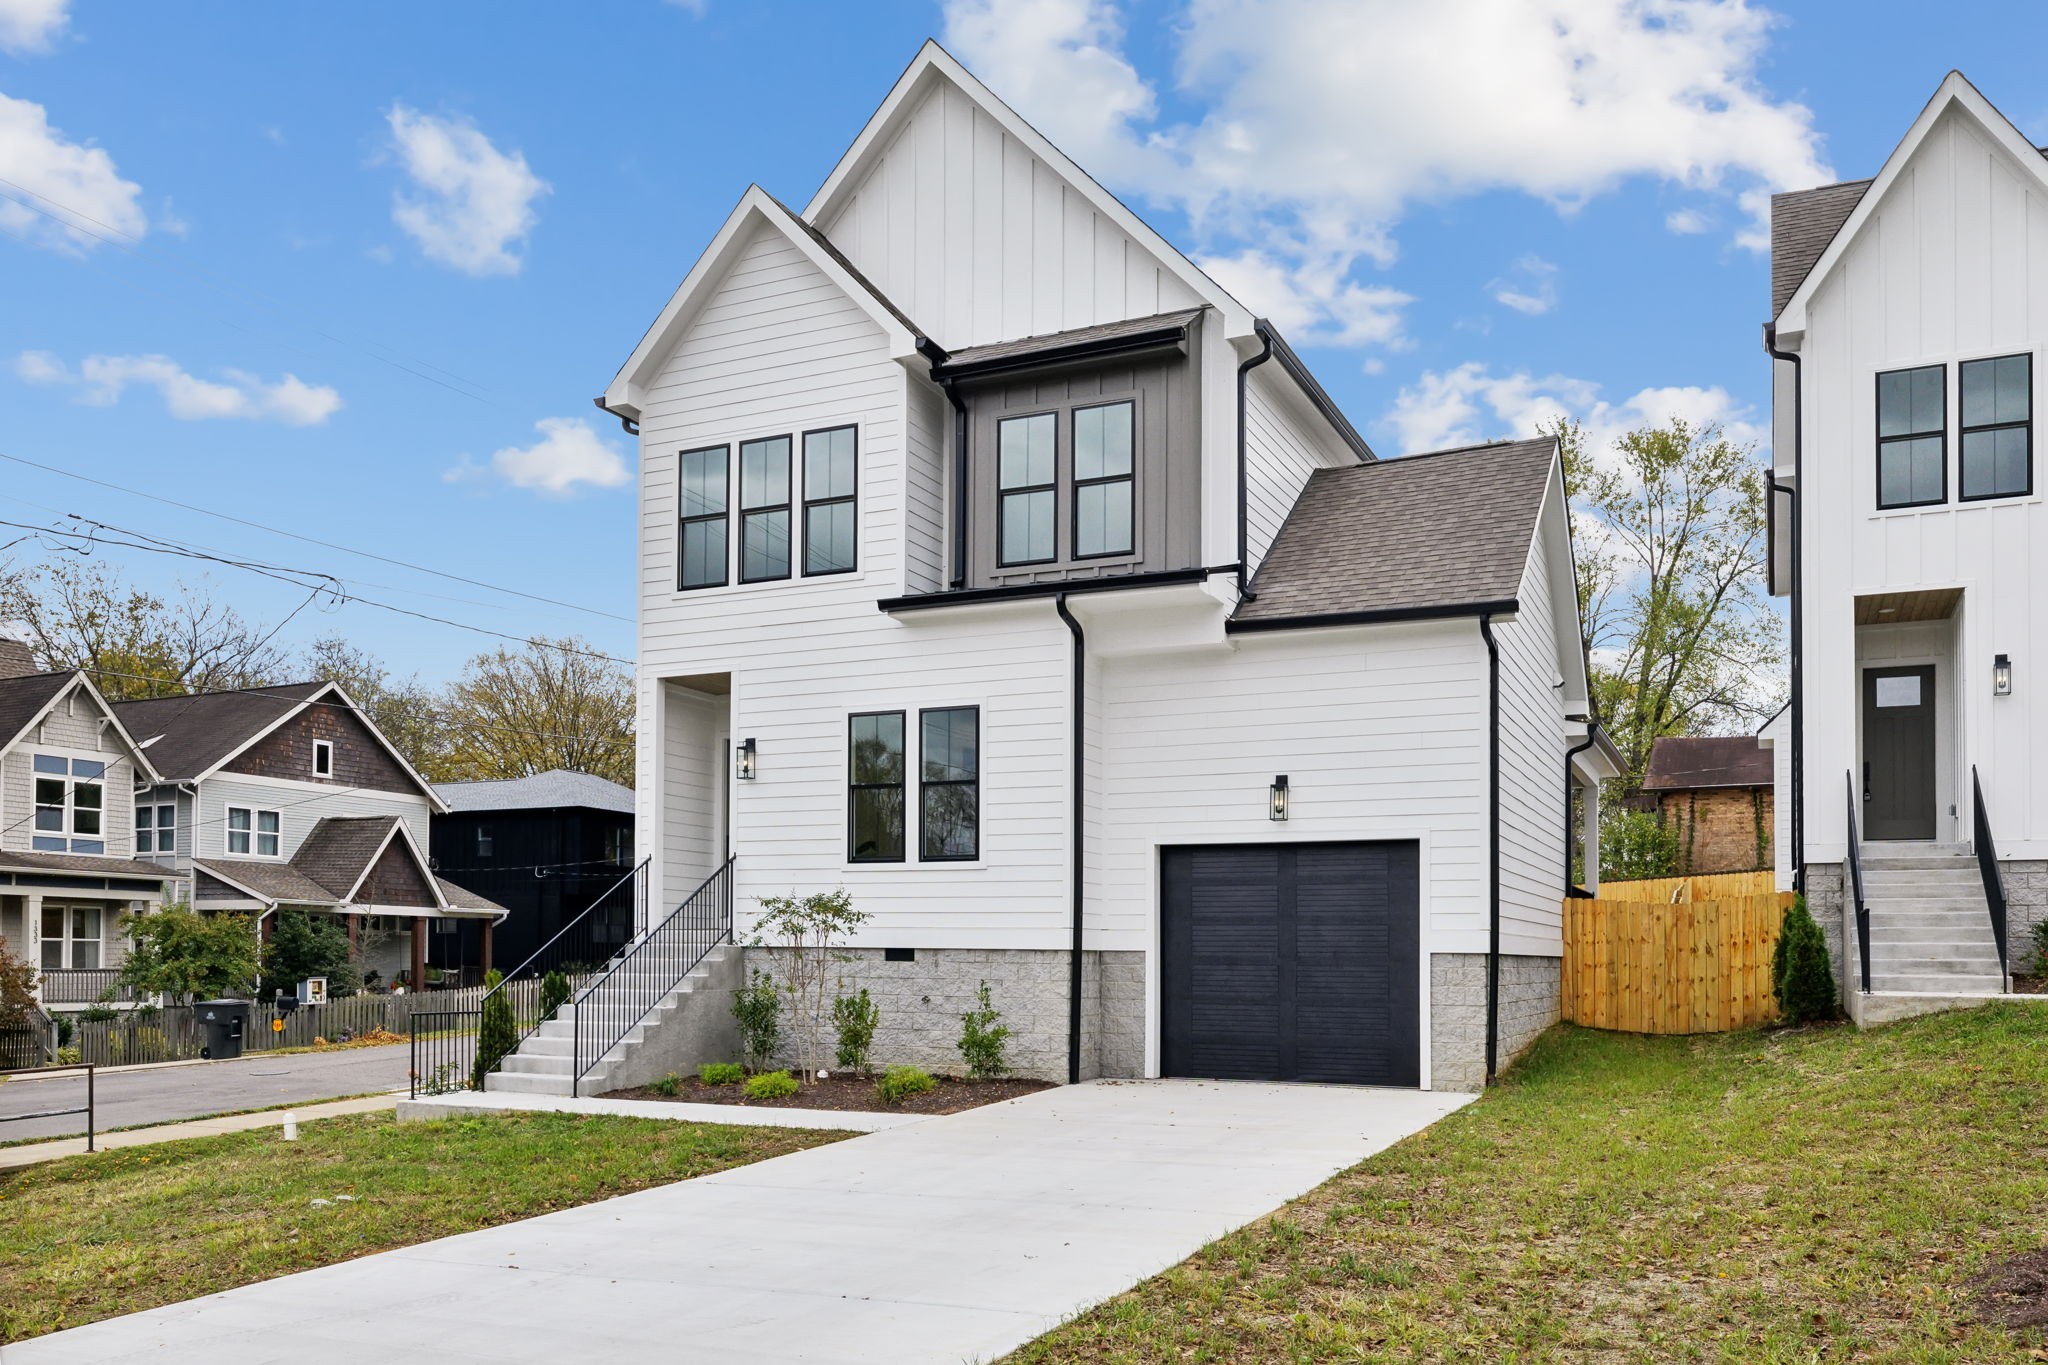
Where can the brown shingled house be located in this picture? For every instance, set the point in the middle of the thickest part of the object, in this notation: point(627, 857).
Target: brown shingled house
point(1714, 791)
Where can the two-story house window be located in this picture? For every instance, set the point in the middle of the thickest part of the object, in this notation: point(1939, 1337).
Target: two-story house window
point(1027, 489)
point(1102, 479)
point(252, 831)
point(769, 490)
point(1912, 437)
point(70, 800)
point(486, 846)
point(1998, 420)
point(764, 509)
point(156, 828)
point(829, 496)
point(701, 500)
point(949, 784)
point(875, 787)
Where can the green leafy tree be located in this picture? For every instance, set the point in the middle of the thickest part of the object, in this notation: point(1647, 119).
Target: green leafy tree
point(496, 1033)
point(1801, 972)
point(807, 932)
point(179, 953)
point(552, 704)
point(1635, 846)
point(303, 945)
point(757, 1009)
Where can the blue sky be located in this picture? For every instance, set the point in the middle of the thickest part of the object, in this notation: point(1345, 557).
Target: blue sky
point(356, 271)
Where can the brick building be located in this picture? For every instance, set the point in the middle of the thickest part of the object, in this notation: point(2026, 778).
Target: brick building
point(1715, 792)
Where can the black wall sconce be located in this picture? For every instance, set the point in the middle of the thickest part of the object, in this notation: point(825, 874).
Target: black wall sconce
point(2001, 676)
point(1277, 796)
point(743, 755)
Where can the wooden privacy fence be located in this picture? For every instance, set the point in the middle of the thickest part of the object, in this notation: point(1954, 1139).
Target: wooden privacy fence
point(173, 1033)
point(1673, 890)
point(1688, 966)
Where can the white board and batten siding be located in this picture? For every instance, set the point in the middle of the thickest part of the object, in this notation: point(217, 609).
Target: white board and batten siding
point(1951, 266)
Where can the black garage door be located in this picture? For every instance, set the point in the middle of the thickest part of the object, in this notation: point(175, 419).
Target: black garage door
point(1292, 962)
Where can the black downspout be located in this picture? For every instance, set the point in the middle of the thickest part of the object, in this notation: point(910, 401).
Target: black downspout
point(1244, 369)
point(936, 356)
point(1797, 822)
point(1492, 846)
point(1592, 738)
point(1080, 860)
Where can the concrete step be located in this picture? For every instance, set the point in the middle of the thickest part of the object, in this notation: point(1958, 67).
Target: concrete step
point(1949, 962)
point(1888, 849)
point(1916, 862)
point(517, 1083)
point(1935, 983)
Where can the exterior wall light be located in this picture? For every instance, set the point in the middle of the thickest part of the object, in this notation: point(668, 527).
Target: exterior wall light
point(743, 760)
point(1277, 796)
point(2001, 676)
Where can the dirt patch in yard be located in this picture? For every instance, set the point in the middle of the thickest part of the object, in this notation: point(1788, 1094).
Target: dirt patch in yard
point(2014, 1293)
point(850, 1093)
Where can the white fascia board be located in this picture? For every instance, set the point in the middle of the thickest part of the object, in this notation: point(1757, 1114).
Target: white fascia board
point(1554, 524)
point(626, 393)
point(1955, 92)
point(80, 682)
point(933, 62)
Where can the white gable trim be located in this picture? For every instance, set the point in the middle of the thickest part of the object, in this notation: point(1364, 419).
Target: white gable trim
point(80, 682)
point(323, 697)
point(399, 830)
point(1554, 523)
point(1955, 92)
point(625, 394)
point(933, 63)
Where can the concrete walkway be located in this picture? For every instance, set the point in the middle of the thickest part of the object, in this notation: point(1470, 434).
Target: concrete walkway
point(33, 1153)
point(951, 1240)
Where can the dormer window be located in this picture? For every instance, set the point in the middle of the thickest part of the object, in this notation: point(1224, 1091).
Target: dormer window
point(1912, 437)
point(1998, 427)
point(323, 758)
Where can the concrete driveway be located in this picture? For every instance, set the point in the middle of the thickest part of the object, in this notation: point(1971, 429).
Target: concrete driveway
point(125, 1097)
point(946, 1241)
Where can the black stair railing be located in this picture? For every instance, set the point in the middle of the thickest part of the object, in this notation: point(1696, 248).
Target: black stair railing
point(444, 1041)
point(643, 976)
point(1988, 869)
point(1856, 887)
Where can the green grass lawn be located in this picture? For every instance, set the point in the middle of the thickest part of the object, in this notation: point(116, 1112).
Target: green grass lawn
point(1799, 1196)
point(90, 1237)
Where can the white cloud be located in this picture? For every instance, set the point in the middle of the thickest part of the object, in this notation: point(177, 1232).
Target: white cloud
point(1312, 298)
point(31, 26)
point(100, 380)
point(1688, 221)
point(1530, 287)
point(73, 181)
point(569, 454)
point(1470, 404)
point(470, 205)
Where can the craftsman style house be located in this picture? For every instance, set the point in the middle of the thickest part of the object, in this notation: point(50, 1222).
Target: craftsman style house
point(1909, 325)
point(1000, 567)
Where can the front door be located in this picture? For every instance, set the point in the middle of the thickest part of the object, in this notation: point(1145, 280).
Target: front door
point(1898, 753)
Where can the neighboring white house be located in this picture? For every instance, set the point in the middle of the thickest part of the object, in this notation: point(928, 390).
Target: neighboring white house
point(999, 567)
point(1910, 316)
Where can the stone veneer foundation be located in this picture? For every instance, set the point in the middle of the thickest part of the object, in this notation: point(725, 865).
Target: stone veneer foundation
point(1531, 996)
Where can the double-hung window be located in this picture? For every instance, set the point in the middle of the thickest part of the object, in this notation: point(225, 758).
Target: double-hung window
point(156, 828)
point(829, 501)
point(1912, 437)
point(71, 937)
point(70, 801)
point(1027, 481)
point(1102, 479)
point(764, 509)
point(949, 783)
point(874, 780)
point(1998, 427)
point(253, 831)
point(323, 758)
point(701, 504)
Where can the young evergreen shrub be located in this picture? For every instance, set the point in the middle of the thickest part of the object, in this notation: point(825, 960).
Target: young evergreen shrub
point(496, 1035)
point(721, 1073)
point(771, 1085)
point(982, 1039)
point(1801, 974)
point(757, 1008)
point(554, 993)
point(855, 1018)
point(901, 1081)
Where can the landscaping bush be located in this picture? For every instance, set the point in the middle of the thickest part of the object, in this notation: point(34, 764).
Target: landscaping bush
point(721, 1073)
point(668, 1086)
point(900, 1082)
point(496, 1035)
point(855, 1018)
point(17, 990)
point(771, 1085)
point(982, 1039)
point(180, 953)
point(554, 993)
point(303, 945)
point(2037, 965)
point(757, 1008)
point(1801, 974)
point(808, 931)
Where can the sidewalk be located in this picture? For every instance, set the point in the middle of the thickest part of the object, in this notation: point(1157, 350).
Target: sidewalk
point(13, 1158)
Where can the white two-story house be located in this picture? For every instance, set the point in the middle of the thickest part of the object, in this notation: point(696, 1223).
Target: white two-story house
point(1000, 567)
point(1909, 325)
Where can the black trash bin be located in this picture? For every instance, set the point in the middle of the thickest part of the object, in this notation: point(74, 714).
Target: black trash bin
point(224, 1022)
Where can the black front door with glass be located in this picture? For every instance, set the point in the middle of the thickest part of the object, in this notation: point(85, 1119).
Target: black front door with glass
point(1898, 753)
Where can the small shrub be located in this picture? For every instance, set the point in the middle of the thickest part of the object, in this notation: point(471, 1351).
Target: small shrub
point(668, 1087)
point(721, 1073)
point(496, 1034)
point(982, 1039)
point(2037, 964)
point(900, 1082)
point(1801, 974)
point(554, 993)
point(757, 1008)
point(69, 1056)
point(771, 1085)
point(855, 1018)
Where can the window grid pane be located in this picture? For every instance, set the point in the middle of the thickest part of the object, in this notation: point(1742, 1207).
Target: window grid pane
point(949, 760)
point(701, 504)
point(1912, 451)
point(764, 545)
point(875, 776)
point(830, 474)
point(1102, 441)
point(1997, 444)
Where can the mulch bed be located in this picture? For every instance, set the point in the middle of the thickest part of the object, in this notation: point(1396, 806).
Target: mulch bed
point(2029, 985)
point(852, 1093)
point(2014, 1293)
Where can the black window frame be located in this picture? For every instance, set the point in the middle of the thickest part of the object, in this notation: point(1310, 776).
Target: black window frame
point(486, 843)
point(1003, 495)
point(1940, 433)
point(901, 786)
point(1964, 432)
point(1078, 483)
point(724, 514)
point(925, 784)
point(747, 513)
point(804, 472)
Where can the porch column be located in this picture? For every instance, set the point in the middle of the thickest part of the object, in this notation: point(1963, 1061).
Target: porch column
point(32, 935)
point(354, 921)
point(488, 926)
point(419, 953)
point(1590, 838)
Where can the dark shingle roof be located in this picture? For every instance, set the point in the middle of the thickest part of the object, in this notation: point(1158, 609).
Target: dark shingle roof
point(199, 731)
point(1802, 225)
point(1693, 762)
point(1444, 532)
point(557, 787)
point(271, 881)
point(1080, 336)
point(83, 862)
point(340, 847)
point(22, 699)
point(462, 898)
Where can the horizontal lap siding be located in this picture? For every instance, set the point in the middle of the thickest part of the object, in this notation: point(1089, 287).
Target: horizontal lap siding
point(299, 808)
point(1279, 456)
point(1532, 748)
point(73, 727)
point(1381, 733)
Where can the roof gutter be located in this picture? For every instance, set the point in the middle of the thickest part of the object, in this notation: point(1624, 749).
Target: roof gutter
point(1244, 369)
point(1451, 611)
point(1797, 819)
point(1163, 337)
point(935, 356)
point(1079, 833)
point(1009, 592)
point(1492, 846)
point(631, 424)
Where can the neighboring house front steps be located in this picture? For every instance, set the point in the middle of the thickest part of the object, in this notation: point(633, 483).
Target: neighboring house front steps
point(692, 1025)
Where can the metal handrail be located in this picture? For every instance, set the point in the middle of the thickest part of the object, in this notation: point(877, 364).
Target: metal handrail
point(1990, 871)
point(588, 910)
point(1856, 886)
point(642, 977)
